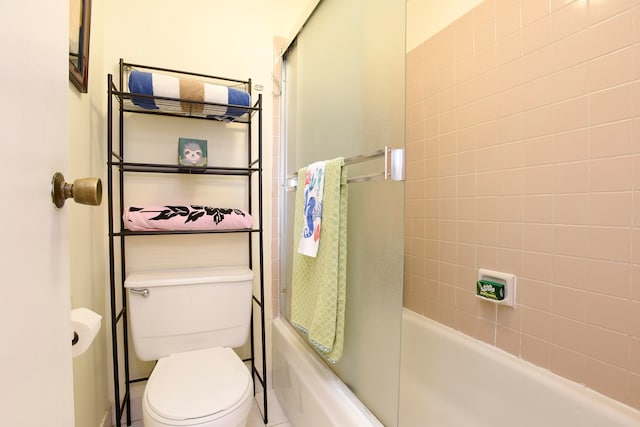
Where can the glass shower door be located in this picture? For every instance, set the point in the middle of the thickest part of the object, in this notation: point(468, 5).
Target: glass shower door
point(344, 96)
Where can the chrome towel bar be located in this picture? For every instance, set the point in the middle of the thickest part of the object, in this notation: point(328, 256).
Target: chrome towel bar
point(393, 167)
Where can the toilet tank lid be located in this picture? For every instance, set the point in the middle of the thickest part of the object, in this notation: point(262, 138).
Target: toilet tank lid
point(188, 276)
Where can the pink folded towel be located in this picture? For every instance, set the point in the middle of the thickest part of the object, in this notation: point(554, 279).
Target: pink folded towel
point(175, 218)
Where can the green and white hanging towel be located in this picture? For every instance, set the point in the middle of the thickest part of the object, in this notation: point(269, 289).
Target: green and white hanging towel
point(318, 290)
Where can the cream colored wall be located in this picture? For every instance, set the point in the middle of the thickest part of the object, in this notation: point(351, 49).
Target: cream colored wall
point(221, 38)
point(87, 231)
point(233, 39)
point(426, 18)
point(523, 157)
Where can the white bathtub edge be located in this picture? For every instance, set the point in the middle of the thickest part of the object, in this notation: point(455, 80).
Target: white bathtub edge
point(524, 378)
point(310, 393)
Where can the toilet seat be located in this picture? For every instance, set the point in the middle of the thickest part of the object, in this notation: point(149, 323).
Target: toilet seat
point(197, 386)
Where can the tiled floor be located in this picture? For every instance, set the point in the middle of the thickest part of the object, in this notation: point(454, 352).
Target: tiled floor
point(276, 414)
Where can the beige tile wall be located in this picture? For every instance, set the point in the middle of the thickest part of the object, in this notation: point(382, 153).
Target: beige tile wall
point(523, 127)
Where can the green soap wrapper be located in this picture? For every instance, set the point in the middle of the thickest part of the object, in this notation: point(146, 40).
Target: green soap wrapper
point(490, 290)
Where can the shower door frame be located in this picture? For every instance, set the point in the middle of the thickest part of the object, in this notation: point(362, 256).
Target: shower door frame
point(357, 193)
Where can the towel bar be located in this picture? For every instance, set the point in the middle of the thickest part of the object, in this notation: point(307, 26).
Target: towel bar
point(393, 167)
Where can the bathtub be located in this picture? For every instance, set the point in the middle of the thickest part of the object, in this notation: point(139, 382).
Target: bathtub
point(450, 379)
point(447, 379)
point(310, 393)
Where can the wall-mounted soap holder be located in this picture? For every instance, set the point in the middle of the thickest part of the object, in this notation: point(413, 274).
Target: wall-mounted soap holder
point(496, 287)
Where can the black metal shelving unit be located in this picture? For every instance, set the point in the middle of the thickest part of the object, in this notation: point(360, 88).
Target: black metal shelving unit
point(118, 168)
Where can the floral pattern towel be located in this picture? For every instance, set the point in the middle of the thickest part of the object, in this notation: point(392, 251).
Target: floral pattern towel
point(179, 218)
point(312, 209)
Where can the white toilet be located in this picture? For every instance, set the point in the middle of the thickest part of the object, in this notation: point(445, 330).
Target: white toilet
point(189, 320)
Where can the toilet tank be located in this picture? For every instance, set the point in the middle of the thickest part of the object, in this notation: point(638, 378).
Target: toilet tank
point(173, 311)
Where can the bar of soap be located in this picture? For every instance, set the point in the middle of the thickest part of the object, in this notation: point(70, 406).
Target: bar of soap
point(490, 290)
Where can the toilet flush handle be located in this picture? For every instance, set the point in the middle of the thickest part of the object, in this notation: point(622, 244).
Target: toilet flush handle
point(143, 292)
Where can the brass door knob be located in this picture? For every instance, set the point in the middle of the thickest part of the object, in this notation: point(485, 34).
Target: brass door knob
point(86, 191)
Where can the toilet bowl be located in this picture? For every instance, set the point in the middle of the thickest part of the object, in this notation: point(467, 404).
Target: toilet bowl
point(204, 388)
point(189, 321)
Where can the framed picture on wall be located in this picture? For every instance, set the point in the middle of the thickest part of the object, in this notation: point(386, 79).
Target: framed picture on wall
point(79, 30)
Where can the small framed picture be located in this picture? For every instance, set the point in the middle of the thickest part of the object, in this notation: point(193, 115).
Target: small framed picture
point(192, 152)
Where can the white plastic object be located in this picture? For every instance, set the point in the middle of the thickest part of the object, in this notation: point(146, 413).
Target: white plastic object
point(197, 384)
point(189, 309)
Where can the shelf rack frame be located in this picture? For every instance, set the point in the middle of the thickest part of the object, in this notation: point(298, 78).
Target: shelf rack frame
point(117, 166)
